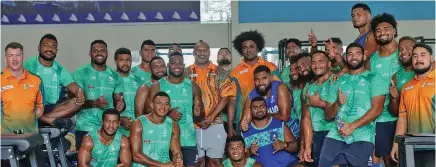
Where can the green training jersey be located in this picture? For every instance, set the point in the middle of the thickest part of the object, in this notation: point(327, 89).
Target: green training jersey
point(403, 77)
point(319, 123)
point(156, 139)
point(53, 78)
point(181, 96)
point(105, 155)
point(386, 67)
point(359, 89)
point(95, 84)
point(285, 76)
point(250, 162)
point(130, 87)
point(141, 74)
point(296, 108)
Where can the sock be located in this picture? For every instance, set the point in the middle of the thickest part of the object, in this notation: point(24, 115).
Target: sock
point(376, 164)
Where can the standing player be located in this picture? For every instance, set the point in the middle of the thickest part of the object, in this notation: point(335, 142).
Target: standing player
point(158, 71)
point(404, 74)
point(105, 146)
point(148, 51)
point(361, 18)
point(186, 103)
point(101, 86)
point(385, 61)
point(353, 103)
point(154, 135)
point(293, 48)
point(315, 126)
point(123, 60)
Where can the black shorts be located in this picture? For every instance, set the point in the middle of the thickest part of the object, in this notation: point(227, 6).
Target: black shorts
point(336, 152)
point(384, 137)
point(190, 155)
point(318, 141)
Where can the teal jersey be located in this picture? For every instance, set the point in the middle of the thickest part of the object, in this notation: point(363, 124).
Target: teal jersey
point(105, 155)
point(296, 108)
point(53, 78)
point(130, 87)
point(285, 76)
point(141, 74)
point(95, 84)
point(386, 67)
point(156, 139)
point(359, 89)
point(250, 162)
point(181, 96)
point(403, 77)
point(319, 123)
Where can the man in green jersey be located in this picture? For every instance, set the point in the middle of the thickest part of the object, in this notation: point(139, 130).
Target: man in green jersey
point(151, 143)
point(315, 126)
point(293, 48)
point(158, 71)
point(186, 103)
point(103, 147)
point(148, 51)
point(404, 74)
point(385, 61)
point(237, 153)
point(354, 100)
point(102, 87)
point(123, 60)
point(54, 77)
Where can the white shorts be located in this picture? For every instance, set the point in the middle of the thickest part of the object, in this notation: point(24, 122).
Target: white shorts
point(211, 141)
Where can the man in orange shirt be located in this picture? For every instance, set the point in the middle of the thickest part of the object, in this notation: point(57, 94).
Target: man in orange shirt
point(216, 90)
point(417, 104)
point(248, 44)
point(21, 93)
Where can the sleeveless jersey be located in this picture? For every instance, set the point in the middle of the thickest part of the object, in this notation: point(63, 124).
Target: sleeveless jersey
point(265, 137)
point(273, 107)
point(386, 67)
point(156, 140)
point(250, 162)
point(181, 96)
point(130, 87)
point(403, 77)
point(362, 39)
point(103, 155)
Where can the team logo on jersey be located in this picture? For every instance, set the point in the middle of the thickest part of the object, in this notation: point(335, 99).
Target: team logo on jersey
point(91, 87)
point(7, 87)
point(27, 86)
point(93, 78)
point(242, 72)
point(147, 141)
point(110, 79)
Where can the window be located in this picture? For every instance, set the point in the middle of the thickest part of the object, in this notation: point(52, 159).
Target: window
point(215, 11)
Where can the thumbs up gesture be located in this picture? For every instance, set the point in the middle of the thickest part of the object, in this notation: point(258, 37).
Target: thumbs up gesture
point(244, 124)
point(393, 91)
point(342, 98)
point(101, 102)
point(278, 145)
point(120, 104)
point(313, 100)
point(80, 96)
point(178, 161)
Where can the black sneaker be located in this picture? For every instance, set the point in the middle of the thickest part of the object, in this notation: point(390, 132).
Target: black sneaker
point(65, 123)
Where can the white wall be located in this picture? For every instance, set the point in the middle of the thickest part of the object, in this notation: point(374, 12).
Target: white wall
point(74, 40)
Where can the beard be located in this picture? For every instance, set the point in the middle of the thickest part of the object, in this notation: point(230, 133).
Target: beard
point(263, 93)
point(258, 118)
point(95, 61)
point(224, 62)
point(383, 42)
point(422, 70)
point(41, 55)
point(357, 66)
point(176, 75)
point(306, 78)
point(156, 77)
point(407, 62)
point(121, 69)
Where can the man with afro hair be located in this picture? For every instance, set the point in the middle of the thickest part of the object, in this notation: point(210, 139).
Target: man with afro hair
point(385, 61)
point(248, 44)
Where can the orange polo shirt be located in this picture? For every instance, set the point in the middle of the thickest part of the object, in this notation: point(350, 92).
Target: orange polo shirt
point(19, 101)
point(214, 84)
point(417, 103)
point(243, 77)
